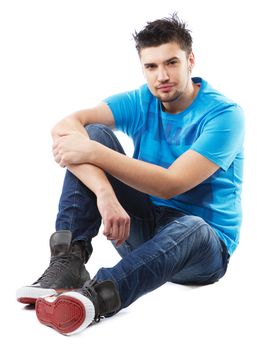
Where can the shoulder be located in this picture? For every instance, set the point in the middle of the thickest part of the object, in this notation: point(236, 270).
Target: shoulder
point(217, 104)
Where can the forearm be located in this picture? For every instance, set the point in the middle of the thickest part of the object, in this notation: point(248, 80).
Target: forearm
point(92, 177)
point(145, 177)
point(186, 172)
point(115, 219)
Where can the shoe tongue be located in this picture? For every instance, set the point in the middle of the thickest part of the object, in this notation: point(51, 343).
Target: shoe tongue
point(60, 243)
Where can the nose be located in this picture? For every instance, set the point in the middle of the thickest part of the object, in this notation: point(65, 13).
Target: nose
point(162, 75)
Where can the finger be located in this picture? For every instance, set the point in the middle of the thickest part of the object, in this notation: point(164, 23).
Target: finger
point(57, 155)
point(57, 158)
point(107, 228)
point(55, 152)
point(115, 230)
point(127, 228)
point(56, 143)
point(64, 160)
point(110, 235)
point(119, 243)
point(62, 164)
point(121, 230)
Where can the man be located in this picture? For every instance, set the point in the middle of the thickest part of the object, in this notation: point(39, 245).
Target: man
point(172, 211)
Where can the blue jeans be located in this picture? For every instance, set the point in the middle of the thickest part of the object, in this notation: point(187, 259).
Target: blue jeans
point(164, 244)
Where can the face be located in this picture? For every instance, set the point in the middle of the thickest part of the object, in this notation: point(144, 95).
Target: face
point(167, 69)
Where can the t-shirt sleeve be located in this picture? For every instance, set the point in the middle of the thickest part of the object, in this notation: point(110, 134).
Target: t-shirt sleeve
point(222, 137)
point(125, 110)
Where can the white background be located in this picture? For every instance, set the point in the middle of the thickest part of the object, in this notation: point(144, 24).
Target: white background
point(57, 57)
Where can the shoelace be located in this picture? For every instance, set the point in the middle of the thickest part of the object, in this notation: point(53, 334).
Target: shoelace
point(57, 266)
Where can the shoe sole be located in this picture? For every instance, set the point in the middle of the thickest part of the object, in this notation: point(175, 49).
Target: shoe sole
point(29, 295)
point(68, 313)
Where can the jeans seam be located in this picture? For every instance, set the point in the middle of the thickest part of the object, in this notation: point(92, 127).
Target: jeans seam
point(113, 141)
point(73, 204)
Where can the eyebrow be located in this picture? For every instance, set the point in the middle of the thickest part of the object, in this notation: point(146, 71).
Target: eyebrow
point(166, 61)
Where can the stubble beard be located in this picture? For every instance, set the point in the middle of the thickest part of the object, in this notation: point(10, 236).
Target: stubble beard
point(170, 99)
point(176, 95)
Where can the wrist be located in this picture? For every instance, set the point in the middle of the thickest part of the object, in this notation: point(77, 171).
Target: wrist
point(93, 152)
point(105, 192)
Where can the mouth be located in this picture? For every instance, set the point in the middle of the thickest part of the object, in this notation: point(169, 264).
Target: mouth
point(165, 87)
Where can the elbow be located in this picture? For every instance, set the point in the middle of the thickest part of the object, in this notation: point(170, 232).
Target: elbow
point(169, 195)
point(165, 196)
point(167, 192)
point(164, 193)
point(170, 186)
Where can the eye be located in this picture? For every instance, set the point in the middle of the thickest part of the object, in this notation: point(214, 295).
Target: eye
point(172, 63)
point(150, 66)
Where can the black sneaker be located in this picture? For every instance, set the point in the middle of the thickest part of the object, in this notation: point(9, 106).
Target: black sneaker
point(72, 312)
point(65, 272)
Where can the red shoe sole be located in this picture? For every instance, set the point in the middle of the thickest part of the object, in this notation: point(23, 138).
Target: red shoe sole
point(26, 300)
point(32, 300)
point(65, 314)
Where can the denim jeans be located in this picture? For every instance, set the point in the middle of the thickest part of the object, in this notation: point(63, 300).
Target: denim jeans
point(164, 244)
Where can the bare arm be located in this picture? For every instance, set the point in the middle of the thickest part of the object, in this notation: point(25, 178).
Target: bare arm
point(74, 147)
point(77, 121)
point(189, 170)
point(116, 221)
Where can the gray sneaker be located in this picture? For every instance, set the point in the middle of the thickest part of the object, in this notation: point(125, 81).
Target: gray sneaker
point(65, 272)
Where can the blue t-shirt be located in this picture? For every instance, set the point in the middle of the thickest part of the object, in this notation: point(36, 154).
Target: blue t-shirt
point(212, 126)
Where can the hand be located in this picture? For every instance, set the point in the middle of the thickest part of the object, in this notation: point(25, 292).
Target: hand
point(66, 126)
point(115, 219)
point(72, 148)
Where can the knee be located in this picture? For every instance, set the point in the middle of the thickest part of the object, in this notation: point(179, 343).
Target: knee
point(190, 227)
point(104, 135)
point(198, 225)
point(203, 234)
point(98, 132)
point(193, 221)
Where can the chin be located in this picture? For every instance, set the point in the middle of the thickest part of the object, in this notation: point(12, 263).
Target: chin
point(170, 99)
point(167, 98)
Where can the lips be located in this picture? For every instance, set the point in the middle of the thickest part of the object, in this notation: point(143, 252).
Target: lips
point(165, 87)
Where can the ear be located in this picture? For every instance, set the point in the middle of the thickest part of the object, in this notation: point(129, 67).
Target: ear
point(191, 61)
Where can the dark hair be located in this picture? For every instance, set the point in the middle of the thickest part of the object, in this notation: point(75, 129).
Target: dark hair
point(163, 31)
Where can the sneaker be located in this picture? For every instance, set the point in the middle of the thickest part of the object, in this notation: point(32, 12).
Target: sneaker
point(65, 272)
point(71, 312)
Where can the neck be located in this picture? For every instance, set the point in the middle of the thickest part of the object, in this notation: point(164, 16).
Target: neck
point(184, 100)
